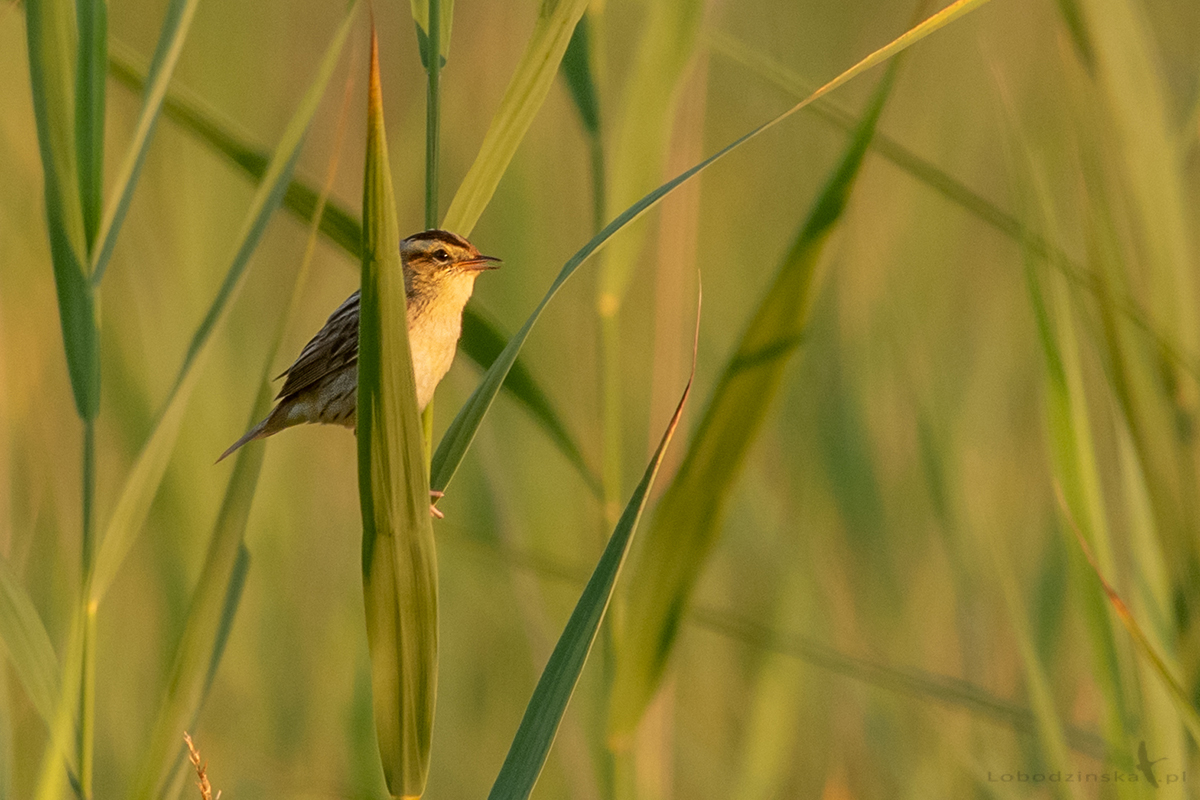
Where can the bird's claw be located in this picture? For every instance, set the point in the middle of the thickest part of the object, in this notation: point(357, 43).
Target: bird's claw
point(436, 495)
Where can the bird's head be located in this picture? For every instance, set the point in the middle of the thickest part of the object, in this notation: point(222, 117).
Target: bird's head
point(441, 267)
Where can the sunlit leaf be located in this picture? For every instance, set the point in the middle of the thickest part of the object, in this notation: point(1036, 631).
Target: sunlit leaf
point(527, 89)
point(399, 559)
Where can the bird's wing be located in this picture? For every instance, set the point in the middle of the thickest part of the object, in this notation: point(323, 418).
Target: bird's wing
point(333, 349)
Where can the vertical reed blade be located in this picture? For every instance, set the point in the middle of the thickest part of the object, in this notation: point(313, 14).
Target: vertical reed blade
point(398, 557)
point(50, 31)
point(687, 522)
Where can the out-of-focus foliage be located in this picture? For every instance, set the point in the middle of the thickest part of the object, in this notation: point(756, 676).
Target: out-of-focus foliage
point(854, 630)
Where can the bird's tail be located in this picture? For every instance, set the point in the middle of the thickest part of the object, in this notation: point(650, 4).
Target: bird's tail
point(274, 422)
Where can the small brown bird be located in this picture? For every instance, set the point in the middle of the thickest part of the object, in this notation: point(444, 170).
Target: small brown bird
point(322, 385)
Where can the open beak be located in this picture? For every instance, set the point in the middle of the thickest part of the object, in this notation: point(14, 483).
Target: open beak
point(480, 263)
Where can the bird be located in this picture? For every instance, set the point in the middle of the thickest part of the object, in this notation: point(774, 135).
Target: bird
point(321, 386)
point(1146, 766)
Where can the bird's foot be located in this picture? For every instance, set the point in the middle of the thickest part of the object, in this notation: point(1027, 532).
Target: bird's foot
point(434, 496)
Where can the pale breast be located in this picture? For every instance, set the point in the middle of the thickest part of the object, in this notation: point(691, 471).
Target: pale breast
point(433, 337)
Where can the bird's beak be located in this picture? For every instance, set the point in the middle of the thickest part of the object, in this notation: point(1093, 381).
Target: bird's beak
point(480, 263)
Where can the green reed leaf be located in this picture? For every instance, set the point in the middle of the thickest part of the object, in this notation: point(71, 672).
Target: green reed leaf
point(92, 58)
point(24, 638)
point(420, 15)
point(644, 129)
point(399, 558)
point(1073, 456)
point(218, 591)
point(481, 339)
point(577, 72)
point(687, 522)
point(142, 484)
point(462, 429)
point(50, 34)
point(209, 617)
point(526, 91)
point(529, 748)
point(176, 23)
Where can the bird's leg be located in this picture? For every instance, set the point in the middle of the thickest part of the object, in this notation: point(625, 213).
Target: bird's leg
point(434, 496)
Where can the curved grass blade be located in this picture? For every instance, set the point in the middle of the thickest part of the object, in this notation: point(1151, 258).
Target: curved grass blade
point(526, 90)
point(140, 487)
point(49, 34)
point(957, 192)
point(30, 652)
point(458, 437)
point(481, 339)
point(176, 22)
point(527, 754)
point(688, 520)
point(399, 559)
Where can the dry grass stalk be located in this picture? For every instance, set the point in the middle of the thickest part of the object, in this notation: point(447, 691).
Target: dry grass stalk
point(206, 792)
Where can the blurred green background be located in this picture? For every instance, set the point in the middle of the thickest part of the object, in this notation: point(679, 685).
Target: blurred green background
point(895, 585)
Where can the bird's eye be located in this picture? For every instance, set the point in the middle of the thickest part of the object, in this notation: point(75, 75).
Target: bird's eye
point(441, 255)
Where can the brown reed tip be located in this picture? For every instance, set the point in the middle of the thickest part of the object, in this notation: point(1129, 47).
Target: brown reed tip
point(206, 792)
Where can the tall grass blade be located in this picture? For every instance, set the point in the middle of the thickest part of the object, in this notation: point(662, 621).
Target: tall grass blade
point(1183, 703)
point(92, 22)
point(399, 559)
point(207, 617)
point(50, 35)
point(175, 26)
point(140, 487)
point(60, 749)
point(528, 751)
point(458, 436)
point(219, 589)
point(30, 652)
point(666, 47)
point(1053, 749)
point(481, 339)
point(687, 522)
point(526, 90)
